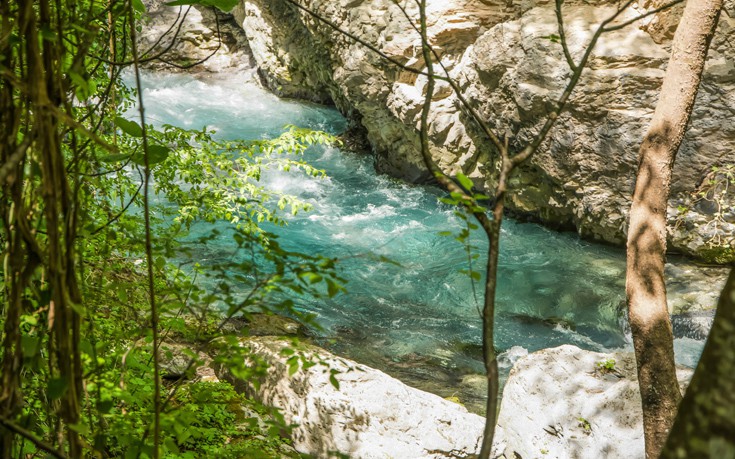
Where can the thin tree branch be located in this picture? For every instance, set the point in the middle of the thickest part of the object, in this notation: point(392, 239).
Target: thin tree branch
point(148, 246)
point(563, 36)
point(203, 60)
point(561, 103)
point(642, 16)
point(30, 436)
point(359, 40)
point(457, 90)
point(153, 46)
point(120, 214)
point(70, 121)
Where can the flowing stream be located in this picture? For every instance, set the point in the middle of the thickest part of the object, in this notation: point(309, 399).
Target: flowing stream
point(418, 321)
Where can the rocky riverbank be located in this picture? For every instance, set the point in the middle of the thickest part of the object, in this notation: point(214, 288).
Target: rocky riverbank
point(509, 66)
point(452, 369)
point(558, 403)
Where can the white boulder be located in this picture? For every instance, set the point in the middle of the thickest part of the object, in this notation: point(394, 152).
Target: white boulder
point(563, 403)
point(371, 415)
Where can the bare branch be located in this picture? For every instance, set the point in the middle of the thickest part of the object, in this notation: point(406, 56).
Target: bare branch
point(28, 435)
point(561, 103)
point(457, 90)
point(563, 37)
point(119, 214)
point(148, 247)
point(154, 45)
point(359, 40)
point(204, 59)
point(642, 16)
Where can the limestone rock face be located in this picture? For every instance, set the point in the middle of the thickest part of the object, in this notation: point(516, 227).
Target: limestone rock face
point(559, 403)
point(372, 415)
point(204, 36)
point(502, 57)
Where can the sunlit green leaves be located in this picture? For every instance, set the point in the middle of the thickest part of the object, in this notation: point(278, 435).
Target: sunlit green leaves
point(333, 378)
point(114, 158)
point(130, 128)
point(211, 180)
point(465, 182)
point(293, 365)
point(156, 154)
point(224, 5)
point(138, 6)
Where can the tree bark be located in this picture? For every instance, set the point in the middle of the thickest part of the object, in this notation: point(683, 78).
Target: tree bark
point(705, 425)
point(645, 286)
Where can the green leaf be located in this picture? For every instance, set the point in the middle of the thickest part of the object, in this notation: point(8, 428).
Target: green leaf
point(312, 278)
point(104, 406)
point(115, 158)
point(56, 388)
point(224, 5)
point(29, 345)
point(131, 128)
point(333, 379)
point(464, 181)
point(385, 259)
point(83, 89)
point(293, 365)
point(171, 446)
point(80, 428)
point(156, 154)
point(332, 288)
point(86, 346)
point(29, 319)
point(139, 6)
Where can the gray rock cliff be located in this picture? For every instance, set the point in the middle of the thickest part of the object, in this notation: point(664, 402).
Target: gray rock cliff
point(501, 55)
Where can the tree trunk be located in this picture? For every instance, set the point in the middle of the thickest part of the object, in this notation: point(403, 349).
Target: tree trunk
point(705, 425)
point(645, 286)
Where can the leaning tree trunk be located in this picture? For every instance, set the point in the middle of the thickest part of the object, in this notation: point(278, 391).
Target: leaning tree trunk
point(645, 287)
point(705, 425)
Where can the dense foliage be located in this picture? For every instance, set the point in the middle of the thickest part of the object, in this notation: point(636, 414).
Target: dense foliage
point(98, 254)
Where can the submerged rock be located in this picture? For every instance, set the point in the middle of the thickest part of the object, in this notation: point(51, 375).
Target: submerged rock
point(568, 403)
point(263, 324)
point(693, 325)
point(371, 415)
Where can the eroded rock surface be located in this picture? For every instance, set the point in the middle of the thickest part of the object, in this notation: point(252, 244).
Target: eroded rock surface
point(508, 67)
point(564, 403)
point(371, 415)
point(197, 39)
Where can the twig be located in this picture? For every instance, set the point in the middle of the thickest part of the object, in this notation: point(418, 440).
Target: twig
point(563, 37)
point(28, 435)
point(359, 40)
point(148, 246)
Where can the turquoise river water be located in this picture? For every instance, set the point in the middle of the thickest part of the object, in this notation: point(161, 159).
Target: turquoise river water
point(418, 321)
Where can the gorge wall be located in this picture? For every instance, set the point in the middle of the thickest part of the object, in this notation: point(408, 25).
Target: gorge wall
point(502, 56)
